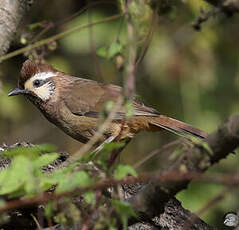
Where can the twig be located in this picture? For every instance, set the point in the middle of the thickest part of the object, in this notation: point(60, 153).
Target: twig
point(211, 203)
point(66, 20)
point(36, 222)
point(56, 37)
point(149, 36)
point(85, 8)
point(170, 148)
point(85, 225)
point(129, 86)
point(93, 51)
point(228, 179)
point(192, 159)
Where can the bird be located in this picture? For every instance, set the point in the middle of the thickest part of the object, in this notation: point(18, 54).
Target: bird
point(75, 105)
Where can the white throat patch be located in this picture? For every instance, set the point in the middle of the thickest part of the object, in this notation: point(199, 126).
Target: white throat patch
point(44, 91)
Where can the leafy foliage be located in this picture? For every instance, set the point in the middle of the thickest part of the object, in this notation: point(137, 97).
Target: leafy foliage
point(124, 210)
point(29, 175)
point(29, 152)
point(111, 51)
point(122, 171)
point(24, 176)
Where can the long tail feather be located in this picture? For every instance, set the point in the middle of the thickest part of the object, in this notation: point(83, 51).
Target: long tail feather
point(178, 127)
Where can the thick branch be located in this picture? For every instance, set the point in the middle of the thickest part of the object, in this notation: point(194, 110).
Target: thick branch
point(154, 200)
point(151, 199)
point(172, 215)
point(11, 13)
point(229, 6)
point(175, 217)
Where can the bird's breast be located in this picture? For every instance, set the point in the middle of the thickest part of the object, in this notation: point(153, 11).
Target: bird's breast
point(80, 128)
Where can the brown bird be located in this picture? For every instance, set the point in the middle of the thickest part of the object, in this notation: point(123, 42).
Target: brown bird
point(74, 105)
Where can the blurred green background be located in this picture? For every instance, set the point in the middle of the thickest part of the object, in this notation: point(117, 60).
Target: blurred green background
point(186, 74)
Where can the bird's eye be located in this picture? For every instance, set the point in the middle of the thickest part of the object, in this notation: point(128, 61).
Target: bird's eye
point(37, 83)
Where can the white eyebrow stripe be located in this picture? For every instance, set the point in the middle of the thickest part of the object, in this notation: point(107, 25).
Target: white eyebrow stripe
point(43, 75)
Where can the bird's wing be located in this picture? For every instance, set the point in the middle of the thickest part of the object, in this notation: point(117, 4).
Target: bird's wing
point(88, 98)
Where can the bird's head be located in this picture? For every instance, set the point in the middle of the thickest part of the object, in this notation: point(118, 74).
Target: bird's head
point(36, 81)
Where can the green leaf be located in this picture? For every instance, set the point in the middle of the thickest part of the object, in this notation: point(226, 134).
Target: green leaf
point(48, 180)
point(124, 210)
point(103, 52)
point(29, 152)
point(124, 170)
point(3, 175)
point(24, 176)
point(115, 48)
point(45, 160)
point(108, 148)
point(49, 208)
point(82, 179)
point(111, 51)
point(14, 178)
point(89, 197)
point(72, 181)
point(88, 157)
point(36, 25)
point(2, 203)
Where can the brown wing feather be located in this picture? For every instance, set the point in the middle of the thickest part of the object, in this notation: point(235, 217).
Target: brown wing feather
point(89, 97)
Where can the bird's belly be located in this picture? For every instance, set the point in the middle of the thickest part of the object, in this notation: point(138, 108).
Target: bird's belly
point(83, 128)
point(79, 127)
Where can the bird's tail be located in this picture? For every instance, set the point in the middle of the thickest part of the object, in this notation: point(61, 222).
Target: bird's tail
point(177, 127)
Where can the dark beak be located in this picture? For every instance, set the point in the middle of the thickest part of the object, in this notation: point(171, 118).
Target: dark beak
point(18, 91)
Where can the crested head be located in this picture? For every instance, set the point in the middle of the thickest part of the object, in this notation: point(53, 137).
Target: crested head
point(31, 68)
point(36, 80)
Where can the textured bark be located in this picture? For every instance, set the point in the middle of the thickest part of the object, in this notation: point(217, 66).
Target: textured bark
point(172, 217)
point(229, 6)
point(175, 217)
point(171, 214)
point(150, 199)
point(11, 13)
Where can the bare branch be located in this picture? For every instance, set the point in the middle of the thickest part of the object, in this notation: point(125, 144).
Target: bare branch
point(56, 37)
point(228, 6)
point(194, 159)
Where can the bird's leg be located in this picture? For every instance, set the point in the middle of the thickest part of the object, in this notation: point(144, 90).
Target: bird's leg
point(115, 153)
point(101, 146)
